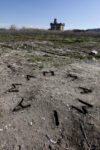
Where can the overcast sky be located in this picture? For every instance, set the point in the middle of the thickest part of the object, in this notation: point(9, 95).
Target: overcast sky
point(80, 14)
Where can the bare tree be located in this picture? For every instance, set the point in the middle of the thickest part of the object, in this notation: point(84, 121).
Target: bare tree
point(13, 27)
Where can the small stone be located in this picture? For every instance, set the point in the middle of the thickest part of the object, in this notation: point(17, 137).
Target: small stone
point(31, 123)
point(43, 118)
point(6, 127)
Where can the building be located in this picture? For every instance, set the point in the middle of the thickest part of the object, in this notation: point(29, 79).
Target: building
point(57, 26)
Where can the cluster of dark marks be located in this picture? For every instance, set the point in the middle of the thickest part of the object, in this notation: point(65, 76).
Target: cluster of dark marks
point(48, 72)
point(83, 109)
point(85, 90)
point(14, 87)
point(72, 76)
point(28, 77)
point(21, 106)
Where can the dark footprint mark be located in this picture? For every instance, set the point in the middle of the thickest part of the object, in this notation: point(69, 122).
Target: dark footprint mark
point(74, 77)
point(13, 90)
point(14, 87)
point(44, 73)
point(81, 101)
point(21, 106)
point(48, 72)
point(56, 118)
point(19, 147)
point(83, 110)
point(52, 73)
point(28, 77)
point(85, 90)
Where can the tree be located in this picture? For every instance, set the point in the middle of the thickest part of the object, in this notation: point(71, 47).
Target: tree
point(13, 27)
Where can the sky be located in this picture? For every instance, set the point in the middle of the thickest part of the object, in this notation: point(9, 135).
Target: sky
point(76, 14)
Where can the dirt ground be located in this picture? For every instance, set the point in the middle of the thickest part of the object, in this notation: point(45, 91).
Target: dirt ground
point(47, 106)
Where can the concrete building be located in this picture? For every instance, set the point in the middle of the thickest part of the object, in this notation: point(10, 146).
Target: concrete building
point(57, 26)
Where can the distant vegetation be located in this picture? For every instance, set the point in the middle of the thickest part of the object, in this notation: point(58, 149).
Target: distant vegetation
point(68, 36)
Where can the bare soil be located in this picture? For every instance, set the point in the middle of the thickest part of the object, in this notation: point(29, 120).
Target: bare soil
point(47, 100)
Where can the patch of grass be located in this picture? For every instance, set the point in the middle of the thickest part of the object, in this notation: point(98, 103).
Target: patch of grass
point(54, 37)
point(7, 46)
point(41, 66)
point(56, 64)
point(97, 56)
point(72, 40)
point(16, 54)
point(6, 50)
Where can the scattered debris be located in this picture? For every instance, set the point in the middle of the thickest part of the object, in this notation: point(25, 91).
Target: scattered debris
point(89, 105)
point(93, 53)
point(52, 141)
point(56, 118)
point(84, 134)
point(21, 106)
point(85, 90)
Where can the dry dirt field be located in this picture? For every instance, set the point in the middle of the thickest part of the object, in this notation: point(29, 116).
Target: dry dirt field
point(49, 100)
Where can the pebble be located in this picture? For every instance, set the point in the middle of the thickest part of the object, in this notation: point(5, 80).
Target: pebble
point(31, 123)
point(1, 130)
